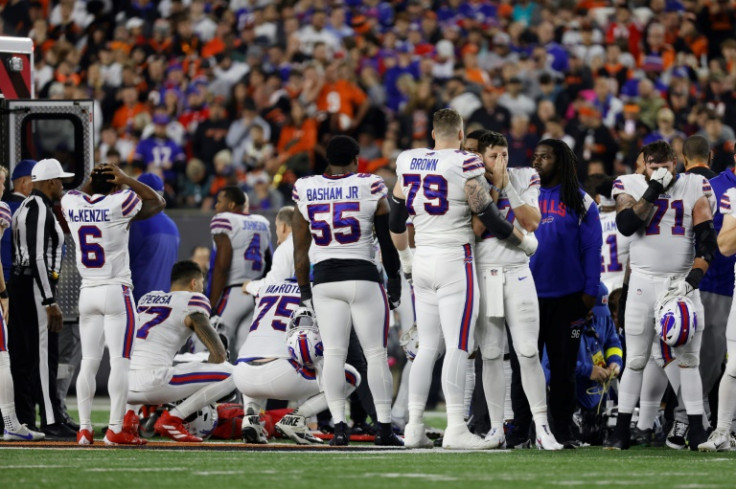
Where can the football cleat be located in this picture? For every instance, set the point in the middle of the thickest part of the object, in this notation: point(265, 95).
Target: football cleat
point(676, 438)
point(415, 436)
point(122, 438)
point(23, 434)
point(386, 437)
point(341, 438)
point(252, 430)
point(131, 422)
point(85, 437)
point(460, 438)
point(718, 441)
point(642, 438)
point(295, 428)
point(696, 436)
point(497, 437)
point(173, 427)
point(546, 440)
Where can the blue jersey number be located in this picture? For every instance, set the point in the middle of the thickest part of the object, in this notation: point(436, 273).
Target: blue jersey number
point(160, 314)
point(434, 188)
point(92, 254)
point(286, 305)
point(661, 206)
point(344, 229)
point(253, 253)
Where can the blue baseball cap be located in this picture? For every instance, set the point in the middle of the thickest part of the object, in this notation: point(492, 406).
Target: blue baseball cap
point(23, 169)
point(152, 180)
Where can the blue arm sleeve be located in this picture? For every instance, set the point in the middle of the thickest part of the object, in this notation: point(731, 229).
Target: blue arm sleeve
point(591, 240)
point(612, 344)
point(584, 364)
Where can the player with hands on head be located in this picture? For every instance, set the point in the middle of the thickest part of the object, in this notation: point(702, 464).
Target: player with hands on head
point(168, 320)
point(99, 219)
point(507, 292)
point(340, 211)
point(665, 214)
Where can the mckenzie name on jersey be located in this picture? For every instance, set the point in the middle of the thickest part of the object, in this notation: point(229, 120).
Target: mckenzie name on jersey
point(433, 182)
point(99, 225)
point(161, 329)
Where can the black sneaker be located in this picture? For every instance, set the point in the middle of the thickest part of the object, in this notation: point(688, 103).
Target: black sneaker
point(59, 432)
point(642, 438)
point(614, 443)
point(362, 428)
point(341, 438)
point(69, 421)
point(696, 434)
point(677, 436)
point(388, 440)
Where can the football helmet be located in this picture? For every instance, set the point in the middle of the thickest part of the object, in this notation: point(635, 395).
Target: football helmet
point(677, 322)
point(203, 422)
point(305, 346)
point(409, 341)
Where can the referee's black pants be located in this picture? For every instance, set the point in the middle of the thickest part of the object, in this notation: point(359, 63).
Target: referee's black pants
point(560, 322)
point(34, 354)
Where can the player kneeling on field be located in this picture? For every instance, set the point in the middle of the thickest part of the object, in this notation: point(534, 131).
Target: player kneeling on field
point(269, 368)
point(167, 320)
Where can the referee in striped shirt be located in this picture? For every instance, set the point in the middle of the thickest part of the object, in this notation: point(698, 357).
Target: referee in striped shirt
point(35, 316)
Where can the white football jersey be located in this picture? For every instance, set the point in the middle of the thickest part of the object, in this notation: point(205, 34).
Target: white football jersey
point(665, 244)
point(6, 217)
point(161, 330)
point(267, 334)
point(340, 210)
point(614, 253)
point(493, 251)
point(250, 237)
point(100, 227)
point(433, 182)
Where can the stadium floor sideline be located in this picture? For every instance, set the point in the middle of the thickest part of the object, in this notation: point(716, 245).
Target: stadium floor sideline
point(207, 446)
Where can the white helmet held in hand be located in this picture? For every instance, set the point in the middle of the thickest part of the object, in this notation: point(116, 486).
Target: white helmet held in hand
point(677, 322)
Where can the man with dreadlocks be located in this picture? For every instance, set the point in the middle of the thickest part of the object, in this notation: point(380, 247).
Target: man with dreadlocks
point(566, 270)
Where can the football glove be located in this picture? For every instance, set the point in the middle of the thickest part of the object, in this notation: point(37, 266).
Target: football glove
point(662, 177)
point(529, 244)
point(675, 288)
point(393, 288)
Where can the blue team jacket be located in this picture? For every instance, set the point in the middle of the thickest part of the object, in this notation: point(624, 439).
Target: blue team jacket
point(568, 259)
point(154, 248)
point(719, 279)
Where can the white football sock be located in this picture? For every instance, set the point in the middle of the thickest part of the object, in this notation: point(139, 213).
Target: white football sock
point(673, 375)
point(454, 371)
point(7, 399)
point(204, 397)
point(117, 388)
point(469, 386)
point(86, 387)
point(400, 409)
point(692, 390)
point(726, 401)
point(654, 383)
point(494, 388)
point(535, 387)
point(508, 410)
point(333, 375)
point(420, 379)
point(629, 390)
point(380, 382)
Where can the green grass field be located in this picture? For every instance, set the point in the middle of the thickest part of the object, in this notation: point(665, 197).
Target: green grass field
point(80, 469)
point(177, 469)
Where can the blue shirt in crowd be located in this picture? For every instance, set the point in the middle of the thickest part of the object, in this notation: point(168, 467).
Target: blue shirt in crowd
point(568, 259)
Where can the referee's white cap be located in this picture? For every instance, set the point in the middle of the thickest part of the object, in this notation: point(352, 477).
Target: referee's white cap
point(48, 169)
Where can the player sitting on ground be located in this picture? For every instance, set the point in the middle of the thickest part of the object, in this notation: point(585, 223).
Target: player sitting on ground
point(265, 369)
point(167, 321)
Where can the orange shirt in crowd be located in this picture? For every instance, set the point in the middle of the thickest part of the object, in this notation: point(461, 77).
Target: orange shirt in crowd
point(340, 97)
point(294, 140)
point(124, 116)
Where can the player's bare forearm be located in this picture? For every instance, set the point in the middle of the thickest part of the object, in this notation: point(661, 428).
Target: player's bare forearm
point(643, 208)
point(529, 217)
point(478, 226)
point(701, 264)
point(151, 202)
point(477, 194)
point(727, 236)
point(302, 241)
point(209, 337)
point(221, 269)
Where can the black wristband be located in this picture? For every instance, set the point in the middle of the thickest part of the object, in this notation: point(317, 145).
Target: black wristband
point(652, 192)
point(694, 277)
point(306, 292)
point(4, 294)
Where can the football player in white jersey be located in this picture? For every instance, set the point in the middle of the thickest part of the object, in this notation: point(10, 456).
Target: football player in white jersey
point(167, 320)
point(340, 209)
point(719, 440)
point(13, 429)
point(508, 294)
point(265, 370)
point(615, 251)
point(665, 214)
point(242, 252)
point(440, 188)
point(99, 221)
